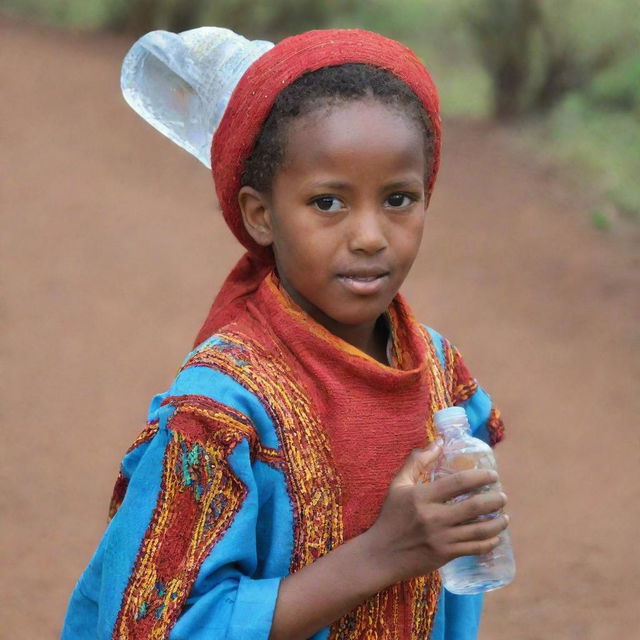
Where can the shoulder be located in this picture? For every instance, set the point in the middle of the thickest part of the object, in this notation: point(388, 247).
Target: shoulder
point(434, 336)
point(441, 342)
point(465, 391)
point(215, 379)
point(206, 415)
point(442, 347)
point(462, 384)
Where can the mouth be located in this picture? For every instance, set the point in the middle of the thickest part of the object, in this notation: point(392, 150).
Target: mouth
point(364, 282)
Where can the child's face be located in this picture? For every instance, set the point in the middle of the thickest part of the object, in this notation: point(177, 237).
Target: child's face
point(346, 211)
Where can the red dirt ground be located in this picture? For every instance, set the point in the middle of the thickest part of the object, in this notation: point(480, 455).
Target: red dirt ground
point(112, 252)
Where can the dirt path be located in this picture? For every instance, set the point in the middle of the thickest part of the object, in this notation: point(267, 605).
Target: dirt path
point(110, 239)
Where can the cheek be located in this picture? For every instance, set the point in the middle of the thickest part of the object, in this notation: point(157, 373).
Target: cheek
point(295, 251)
point(410, 240)
point(304, 242)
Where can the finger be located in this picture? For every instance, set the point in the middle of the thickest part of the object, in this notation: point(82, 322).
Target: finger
point(417, 465)
point(456, 484)
point(481, 530)
point(475, 548)
point(476, 506)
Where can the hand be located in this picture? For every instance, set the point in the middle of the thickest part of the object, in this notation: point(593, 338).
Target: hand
point(418, 530)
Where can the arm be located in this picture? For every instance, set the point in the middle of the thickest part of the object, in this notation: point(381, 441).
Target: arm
point(416, 532)
point(179, 555)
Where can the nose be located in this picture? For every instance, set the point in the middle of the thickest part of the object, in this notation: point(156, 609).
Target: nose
point(366, 231)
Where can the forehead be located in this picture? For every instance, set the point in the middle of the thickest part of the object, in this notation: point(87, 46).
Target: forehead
point(357, 130)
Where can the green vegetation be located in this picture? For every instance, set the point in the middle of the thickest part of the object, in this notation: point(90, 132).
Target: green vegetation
point(603, 144)
point(569, 70)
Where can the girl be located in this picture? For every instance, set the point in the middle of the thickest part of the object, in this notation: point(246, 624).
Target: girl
point(278, 489)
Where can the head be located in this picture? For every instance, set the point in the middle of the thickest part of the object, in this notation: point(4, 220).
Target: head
point(337, 186)
point(381, 107)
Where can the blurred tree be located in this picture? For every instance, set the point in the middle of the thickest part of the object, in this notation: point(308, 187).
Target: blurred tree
point(254, 18)
point(139, 16)
point(275, 19)
point(536, 51)
point(503, 31)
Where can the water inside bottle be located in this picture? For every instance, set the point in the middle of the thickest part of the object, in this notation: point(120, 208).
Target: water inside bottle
point(476, 574)
point(480, 573)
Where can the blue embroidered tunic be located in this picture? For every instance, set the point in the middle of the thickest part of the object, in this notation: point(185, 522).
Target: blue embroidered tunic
point(206, 522)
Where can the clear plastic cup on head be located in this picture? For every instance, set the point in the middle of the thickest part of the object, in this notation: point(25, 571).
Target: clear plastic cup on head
point(181, 83)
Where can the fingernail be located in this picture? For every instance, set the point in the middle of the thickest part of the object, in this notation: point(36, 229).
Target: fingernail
point(506, 517)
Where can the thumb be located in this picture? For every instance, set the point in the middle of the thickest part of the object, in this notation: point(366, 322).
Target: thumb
point(417, 466)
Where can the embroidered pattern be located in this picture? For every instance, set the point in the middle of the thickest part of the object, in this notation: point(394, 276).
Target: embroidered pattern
point(463, 385)
point(313, 486)
point(440, 379)
point(198, 500)
point(495, 427)
point(425, 592)
point(122, 482)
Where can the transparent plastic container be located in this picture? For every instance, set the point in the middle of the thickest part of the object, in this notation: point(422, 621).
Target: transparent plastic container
point(181, 83)
point(471, 574)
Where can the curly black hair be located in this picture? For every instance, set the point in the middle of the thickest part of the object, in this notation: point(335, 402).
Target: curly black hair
point(342, 83)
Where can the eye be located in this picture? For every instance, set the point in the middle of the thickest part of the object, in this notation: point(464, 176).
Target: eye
point(399, 200)
point(328, 204)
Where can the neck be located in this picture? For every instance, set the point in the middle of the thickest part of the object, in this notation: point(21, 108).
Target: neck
point(369, 338)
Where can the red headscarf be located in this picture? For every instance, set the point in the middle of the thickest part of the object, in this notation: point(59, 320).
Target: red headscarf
point(249, 107)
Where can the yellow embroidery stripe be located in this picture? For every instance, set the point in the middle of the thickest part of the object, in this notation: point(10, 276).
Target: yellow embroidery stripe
point(464, 391)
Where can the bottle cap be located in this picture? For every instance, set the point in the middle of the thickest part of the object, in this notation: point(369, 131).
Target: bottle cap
point(449, 417)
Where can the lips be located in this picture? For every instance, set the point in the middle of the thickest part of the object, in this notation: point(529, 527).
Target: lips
point(364, 281)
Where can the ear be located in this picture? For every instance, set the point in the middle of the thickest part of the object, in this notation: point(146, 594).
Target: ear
point(256, 215)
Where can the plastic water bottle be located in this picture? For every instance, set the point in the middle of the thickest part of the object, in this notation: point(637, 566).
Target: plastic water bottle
point(471, 574)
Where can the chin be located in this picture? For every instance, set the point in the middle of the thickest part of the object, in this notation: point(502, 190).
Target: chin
point(349, 312)
point(358, 319)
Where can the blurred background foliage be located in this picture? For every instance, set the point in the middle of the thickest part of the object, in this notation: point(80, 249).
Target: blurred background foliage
point(565, 74)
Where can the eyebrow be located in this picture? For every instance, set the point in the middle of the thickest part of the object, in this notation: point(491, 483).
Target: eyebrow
point(405, 184)
point(328, 184)
point(338, 186)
